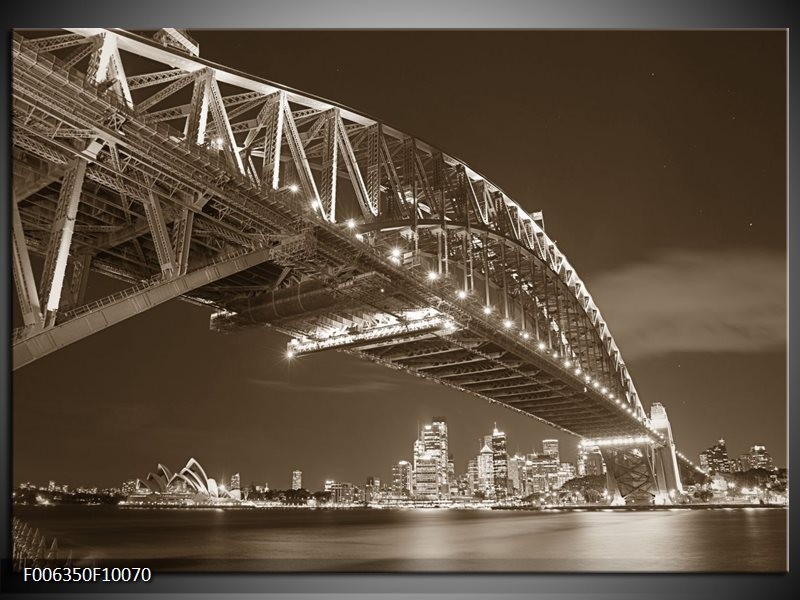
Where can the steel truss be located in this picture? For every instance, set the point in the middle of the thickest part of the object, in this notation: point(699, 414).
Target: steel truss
point(115, 173)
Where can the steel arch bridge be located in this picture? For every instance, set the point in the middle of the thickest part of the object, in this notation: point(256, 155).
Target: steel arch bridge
point(137, 159)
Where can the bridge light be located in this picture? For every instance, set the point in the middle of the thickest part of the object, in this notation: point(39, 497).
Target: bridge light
point(568, 363)
point(526, 335)
point(508, 324)
point(604, 390)
point(290, 354)
point(596, 384)
point(359, 237)
point(294, 188)
point(433, 276)
point(541, 346)
point(351, 224)
point(487, 310)
point(396, 252)
point(461, 294)
point(588, 379)
point(578, 371)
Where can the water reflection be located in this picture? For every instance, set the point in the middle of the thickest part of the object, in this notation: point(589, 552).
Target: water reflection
point(423, 540)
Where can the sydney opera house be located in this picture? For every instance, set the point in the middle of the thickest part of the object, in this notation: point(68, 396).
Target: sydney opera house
point(187, 487)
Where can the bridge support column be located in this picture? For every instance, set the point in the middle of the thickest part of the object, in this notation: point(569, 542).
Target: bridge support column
point(633, 476)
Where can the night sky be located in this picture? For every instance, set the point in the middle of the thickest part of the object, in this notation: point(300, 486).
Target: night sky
point(659, 160)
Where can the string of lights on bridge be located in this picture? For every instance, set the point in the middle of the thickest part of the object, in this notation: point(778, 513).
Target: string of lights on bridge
point(395, 256)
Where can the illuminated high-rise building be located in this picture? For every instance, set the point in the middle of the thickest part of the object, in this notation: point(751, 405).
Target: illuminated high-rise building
point(426, 477)
point(473, 478)
point(594, 462)
point(542, 473)
point(516, 476)
point(715, 459)
point(235, 482)
point(759, 458)
point(432, 444)
point(434, 437)
point(402, 478)
point(297, 479)
point(371, 489)
point(550, 448)
point(564, 473)
point(580, 462)
point(341, 492)
point(486, 472)
point(500, 463)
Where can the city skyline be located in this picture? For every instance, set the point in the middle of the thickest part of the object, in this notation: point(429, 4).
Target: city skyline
point(698, 375)
point(546, 447)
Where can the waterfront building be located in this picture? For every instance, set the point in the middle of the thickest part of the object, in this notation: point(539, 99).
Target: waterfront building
point(716, 459)
point(297, 479)
point(402, 478)
point(190, 485)
point(51, 486)
point(341, 492)
point(550, 448)
point(235, 482)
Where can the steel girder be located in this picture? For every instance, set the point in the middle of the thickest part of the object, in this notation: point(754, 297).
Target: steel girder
point(460, 231)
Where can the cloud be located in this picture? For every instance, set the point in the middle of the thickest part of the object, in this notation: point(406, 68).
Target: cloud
point(683, 301)
point(339, 388)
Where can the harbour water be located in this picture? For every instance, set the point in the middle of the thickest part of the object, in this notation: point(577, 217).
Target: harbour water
point(368, 540)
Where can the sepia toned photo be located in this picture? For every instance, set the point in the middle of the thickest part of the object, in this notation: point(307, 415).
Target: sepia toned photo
point(399, 301)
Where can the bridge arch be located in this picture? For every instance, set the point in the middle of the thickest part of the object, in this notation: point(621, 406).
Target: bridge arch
point(235, 200)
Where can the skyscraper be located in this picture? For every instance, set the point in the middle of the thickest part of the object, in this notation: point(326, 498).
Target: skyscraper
point(436, 444)
point(297, 479)
point(759, 458)
point(473, 475)
point(402, 478)
point(516, 467)
point(433, 445)
point(426, 480)
point(550, 448)
point(500, 463)
point(542, 472)
point(486, 472)
point(371, 489)
point(235, 482)
point(594, 462)
point(716, 459)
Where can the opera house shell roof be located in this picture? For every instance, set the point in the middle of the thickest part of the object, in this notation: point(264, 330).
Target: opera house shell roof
point(191, 480)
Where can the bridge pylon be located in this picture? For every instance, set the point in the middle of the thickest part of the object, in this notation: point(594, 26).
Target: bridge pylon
point(642, 470)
